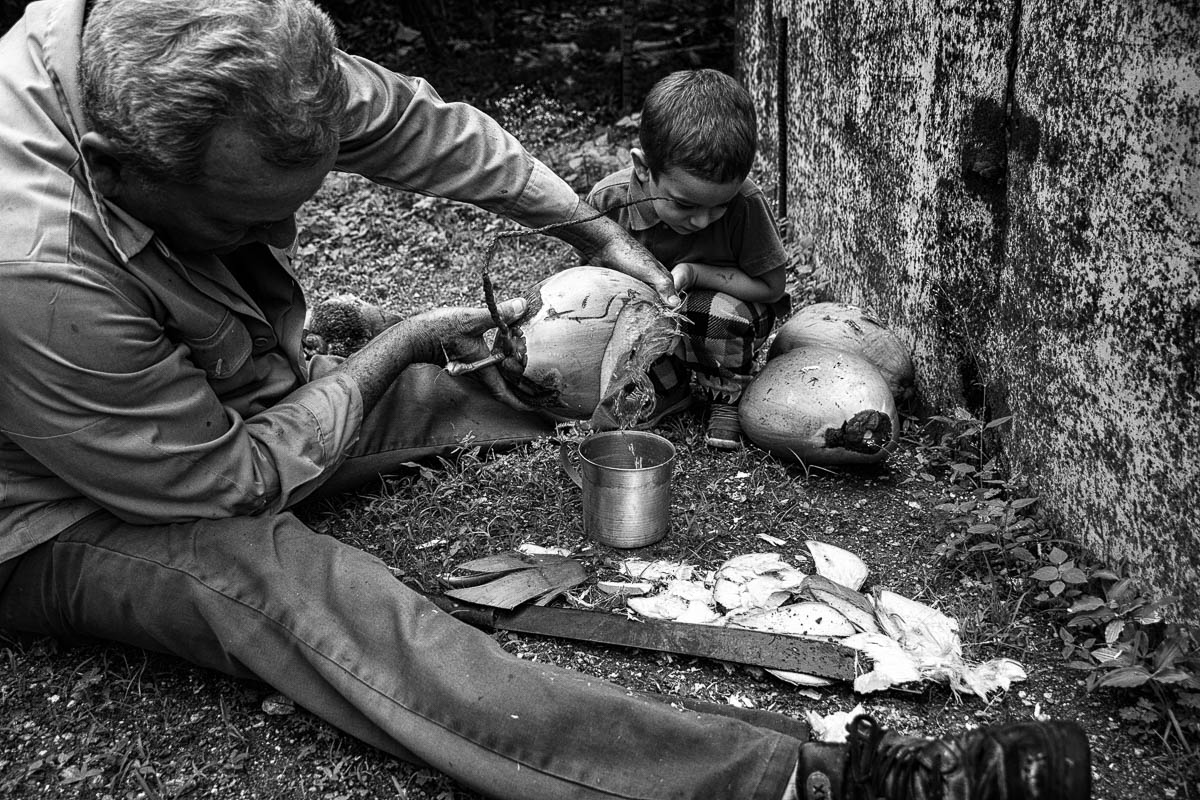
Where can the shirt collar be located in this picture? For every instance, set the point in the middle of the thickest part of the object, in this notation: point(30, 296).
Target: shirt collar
point(642, 215)
point(61, 55)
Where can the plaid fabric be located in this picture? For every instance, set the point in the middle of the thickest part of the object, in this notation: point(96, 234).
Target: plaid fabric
point(720, 340)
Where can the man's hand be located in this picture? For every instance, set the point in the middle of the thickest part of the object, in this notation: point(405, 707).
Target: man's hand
point(684, 275)
point(433, 337)
point(455, 334)
point(604, 243)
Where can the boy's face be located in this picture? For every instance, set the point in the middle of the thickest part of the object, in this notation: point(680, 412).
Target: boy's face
point(688, 204)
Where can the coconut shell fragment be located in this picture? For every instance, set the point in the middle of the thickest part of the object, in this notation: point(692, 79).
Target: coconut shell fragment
point(797, 619)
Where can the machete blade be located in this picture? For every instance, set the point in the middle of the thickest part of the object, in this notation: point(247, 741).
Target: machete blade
point(823, 658)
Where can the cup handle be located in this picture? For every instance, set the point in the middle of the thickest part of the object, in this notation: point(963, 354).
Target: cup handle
point(568, 464)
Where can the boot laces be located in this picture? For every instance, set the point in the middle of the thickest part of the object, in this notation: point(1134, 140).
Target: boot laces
point(897, 767)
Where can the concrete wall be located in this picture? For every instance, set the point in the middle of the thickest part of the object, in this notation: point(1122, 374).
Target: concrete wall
point(1015, 187)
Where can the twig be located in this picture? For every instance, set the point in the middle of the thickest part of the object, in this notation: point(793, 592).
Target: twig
point(489, 292)
point(491, 249)
point(1178, 730)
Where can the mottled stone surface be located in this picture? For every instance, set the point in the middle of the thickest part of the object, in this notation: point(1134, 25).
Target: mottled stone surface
point(1014, 186)
point(1100, 297)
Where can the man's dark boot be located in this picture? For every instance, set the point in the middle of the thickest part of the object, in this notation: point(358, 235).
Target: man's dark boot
point(1018, 761)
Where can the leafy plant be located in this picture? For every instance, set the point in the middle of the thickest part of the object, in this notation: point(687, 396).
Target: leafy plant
point(1061, 576)
point(1114, 630)
point(957, 444)
point(1129, 644)
point(1110, 625)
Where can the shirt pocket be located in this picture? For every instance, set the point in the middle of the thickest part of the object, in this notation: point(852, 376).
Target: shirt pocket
point(224, 351)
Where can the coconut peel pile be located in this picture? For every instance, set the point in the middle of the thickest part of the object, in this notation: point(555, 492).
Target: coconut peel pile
point(907, 641)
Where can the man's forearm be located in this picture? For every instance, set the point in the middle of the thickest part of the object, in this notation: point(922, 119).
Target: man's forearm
point(380, 362)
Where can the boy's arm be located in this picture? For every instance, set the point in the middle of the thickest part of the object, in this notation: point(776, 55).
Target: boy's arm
point(759, 274)
point(765, 288)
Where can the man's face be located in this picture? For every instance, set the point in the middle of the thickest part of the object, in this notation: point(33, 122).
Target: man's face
point(241, 199)
point(690, 204)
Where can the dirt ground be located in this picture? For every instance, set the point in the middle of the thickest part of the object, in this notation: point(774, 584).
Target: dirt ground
point(106, 721)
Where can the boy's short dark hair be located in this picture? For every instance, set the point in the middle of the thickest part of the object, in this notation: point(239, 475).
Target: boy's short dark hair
point(701, 121)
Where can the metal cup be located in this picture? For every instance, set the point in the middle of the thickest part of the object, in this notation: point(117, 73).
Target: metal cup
point(625, 477)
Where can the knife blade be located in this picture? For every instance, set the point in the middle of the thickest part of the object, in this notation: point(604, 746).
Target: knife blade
point(823, 658)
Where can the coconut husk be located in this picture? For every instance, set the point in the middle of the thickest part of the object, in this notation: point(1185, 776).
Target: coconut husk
point(644, 332)
point(507, 580)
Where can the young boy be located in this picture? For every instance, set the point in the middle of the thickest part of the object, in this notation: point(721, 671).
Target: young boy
point(688, 199)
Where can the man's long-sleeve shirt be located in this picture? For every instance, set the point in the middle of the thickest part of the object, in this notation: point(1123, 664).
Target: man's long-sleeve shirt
point(157, 386)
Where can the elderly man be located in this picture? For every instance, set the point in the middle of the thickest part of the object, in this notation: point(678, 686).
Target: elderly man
point(158, 417)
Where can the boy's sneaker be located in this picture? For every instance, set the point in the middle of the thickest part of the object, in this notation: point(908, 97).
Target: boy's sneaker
point(724, 428)
point(1017, 761)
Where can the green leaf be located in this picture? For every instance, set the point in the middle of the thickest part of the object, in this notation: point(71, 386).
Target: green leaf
point(1085, 603)
point(1168, 653)
point(1102, 614)
point(983, 527)
point(1023, 502)
point(1074, 575)
point(1125, 677)
point(983, 546)
point(1046, 574)
point(1022, 554)
point(1173, 675)
point(1057, 556)
point(1057, 587)
point(996, 423)
point(1121, 590)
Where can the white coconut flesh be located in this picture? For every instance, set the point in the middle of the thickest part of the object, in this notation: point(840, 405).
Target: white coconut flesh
point(589, 336)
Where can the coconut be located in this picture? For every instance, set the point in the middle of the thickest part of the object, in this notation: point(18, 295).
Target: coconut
point(841, 326)
point(821, 407)
point(589, 336)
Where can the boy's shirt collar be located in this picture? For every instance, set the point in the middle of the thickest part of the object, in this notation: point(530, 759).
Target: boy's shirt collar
point(642, 215)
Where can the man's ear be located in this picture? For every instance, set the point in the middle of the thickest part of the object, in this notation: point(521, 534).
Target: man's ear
point(104, 163)
point(640, 167)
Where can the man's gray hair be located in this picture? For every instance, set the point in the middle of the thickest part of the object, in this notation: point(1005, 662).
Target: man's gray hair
point(159, 76)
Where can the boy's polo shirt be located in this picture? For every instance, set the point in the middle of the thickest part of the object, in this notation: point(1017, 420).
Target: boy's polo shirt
point(745, 237)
